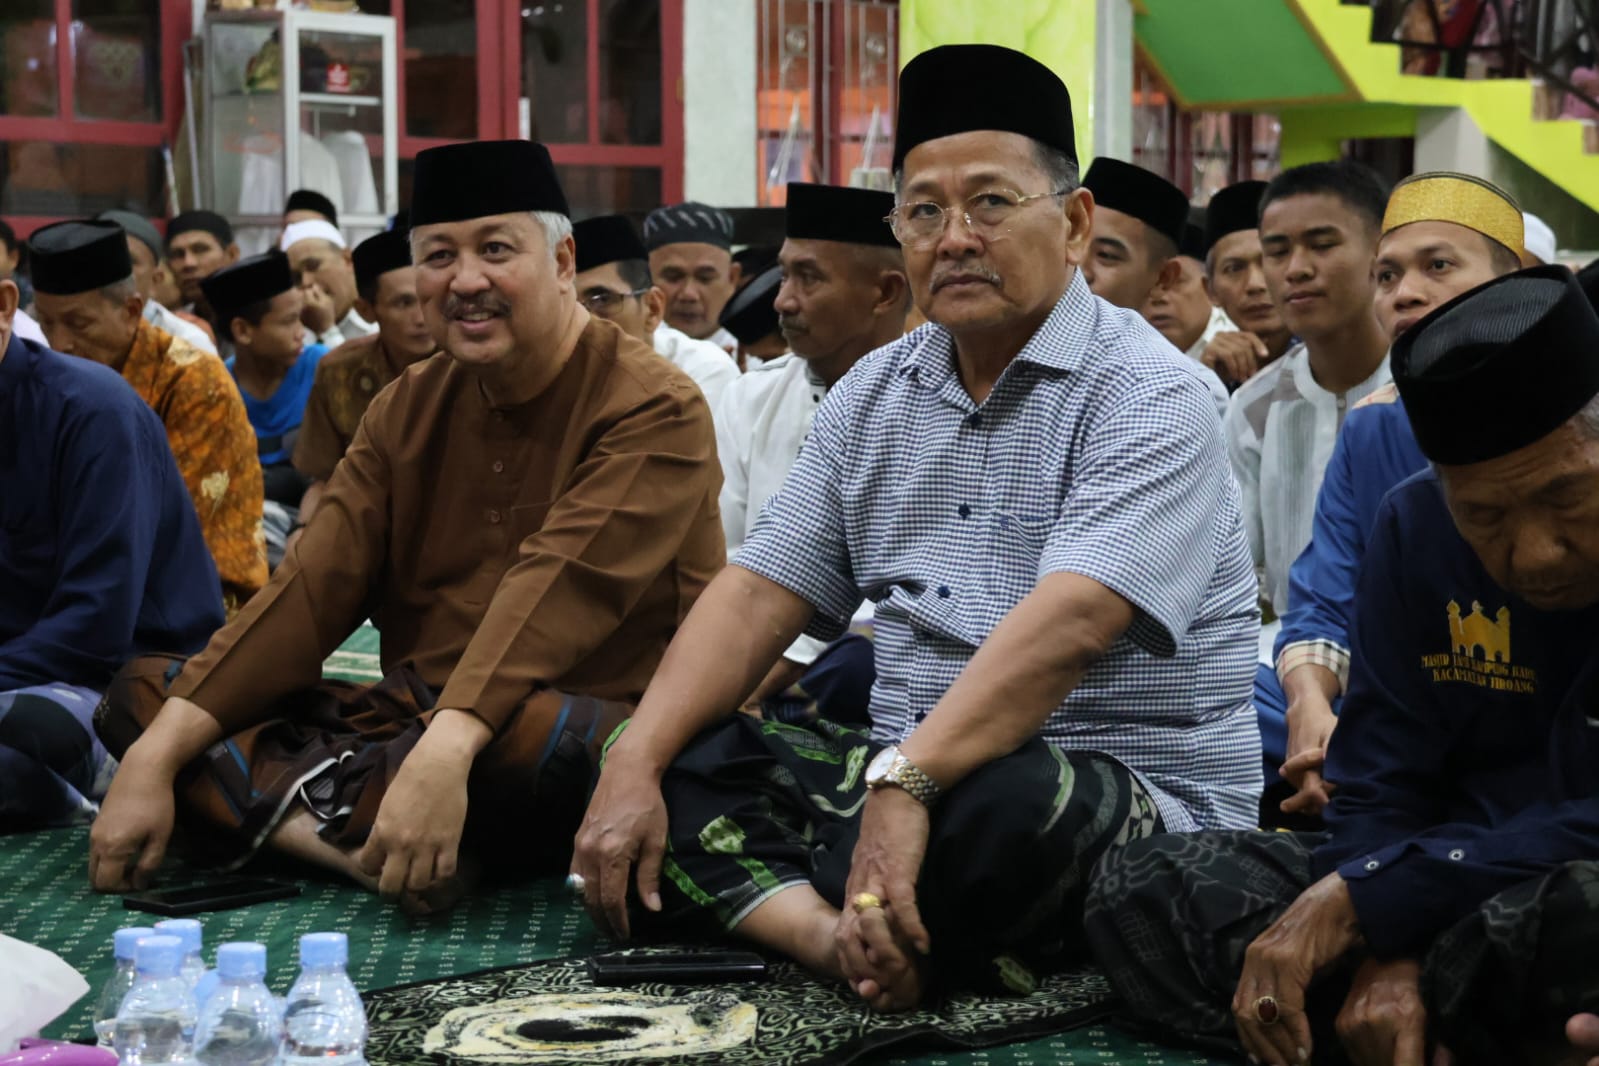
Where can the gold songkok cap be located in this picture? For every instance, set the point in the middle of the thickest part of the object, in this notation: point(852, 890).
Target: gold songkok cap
point(1445, 196)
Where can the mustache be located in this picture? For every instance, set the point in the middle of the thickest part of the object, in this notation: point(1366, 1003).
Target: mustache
point(980, 271)
point(455, 306)
point(791, 324)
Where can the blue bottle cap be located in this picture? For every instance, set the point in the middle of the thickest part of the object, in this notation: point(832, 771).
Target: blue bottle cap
point(124, 941)
point(241, 960)
point(159, 956)
point(324, 949)
point(186, 930)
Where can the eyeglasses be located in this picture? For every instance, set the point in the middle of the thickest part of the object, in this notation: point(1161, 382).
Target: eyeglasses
point(604, 301)
point(916, 225)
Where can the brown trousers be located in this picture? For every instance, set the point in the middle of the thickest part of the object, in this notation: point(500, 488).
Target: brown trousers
point(334, 748)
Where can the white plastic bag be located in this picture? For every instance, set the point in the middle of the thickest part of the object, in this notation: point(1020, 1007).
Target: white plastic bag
point(35, 988)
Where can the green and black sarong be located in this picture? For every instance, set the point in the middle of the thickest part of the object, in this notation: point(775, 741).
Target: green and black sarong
point(756, 807)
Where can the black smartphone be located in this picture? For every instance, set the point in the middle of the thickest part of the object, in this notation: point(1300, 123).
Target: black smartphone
point(209, 896)
point(677, 968)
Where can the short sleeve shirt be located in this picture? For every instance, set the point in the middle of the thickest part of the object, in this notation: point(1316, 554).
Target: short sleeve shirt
point(1098, 452)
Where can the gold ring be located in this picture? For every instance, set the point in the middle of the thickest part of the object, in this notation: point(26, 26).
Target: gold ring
point(865, 901)
point(1266, 1012)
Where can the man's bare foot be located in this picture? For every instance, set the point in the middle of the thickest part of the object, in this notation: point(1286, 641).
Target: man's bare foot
point(901, 968)
point(799, 923)
point(443, 895)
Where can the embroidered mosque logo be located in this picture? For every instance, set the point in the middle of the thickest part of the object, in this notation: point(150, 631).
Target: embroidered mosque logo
point(1475, 631)
point(1479, 653)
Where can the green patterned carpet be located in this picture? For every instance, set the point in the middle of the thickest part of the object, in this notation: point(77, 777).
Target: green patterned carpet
point(48, 902)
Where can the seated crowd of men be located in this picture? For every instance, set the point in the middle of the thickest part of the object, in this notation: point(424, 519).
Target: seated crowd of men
point(598, 500)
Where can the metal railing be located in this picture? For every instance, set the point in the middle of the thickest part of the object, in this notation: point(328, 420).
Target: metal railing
point(1556, 41)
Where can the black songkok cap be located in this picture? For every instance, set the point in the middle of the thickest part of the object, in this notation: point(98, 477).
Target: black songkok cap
point(606, 239)
point(688, 223)
point(1193, 242)
point(477, 179)
point(839, 213)
point(1237, 207)
point(311, 200)
point(1143, 194)
point(1463, 371)
point(73, 257)
point(209, 221)
point(376, 256)
point(1588, 278)
point(249, 281)
point(957, 88)
point(752, 312)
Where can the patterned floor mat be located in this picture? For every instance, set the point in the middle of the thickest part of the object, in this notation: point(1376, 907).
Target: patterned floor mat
point(48, 902)
point(552, 1013)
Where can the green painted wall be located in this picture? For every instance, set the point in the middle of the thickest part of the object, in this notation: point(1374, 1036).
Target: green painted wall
point(1220, 52)
point(1057, 33)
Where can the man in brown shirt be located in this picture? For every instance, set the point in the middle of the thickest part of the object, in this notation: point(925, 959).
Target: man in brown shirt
point(350, 375)
point(526, 520)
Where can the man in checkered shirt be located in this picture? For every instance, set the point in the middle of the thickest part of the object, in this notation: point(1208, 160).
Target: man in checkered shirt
point(1034, 492)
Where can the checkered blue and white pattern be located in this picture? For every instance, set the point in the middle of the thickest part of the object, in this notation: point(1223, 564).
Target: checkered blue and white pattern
point(1098, 452)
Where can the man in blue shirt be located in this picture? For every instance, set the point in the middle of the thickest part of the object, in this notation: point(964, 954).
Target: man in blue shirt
point(101, 559)
point(1442, 234)
point(257, 308)
point(1033, 491)
point(1452, 902)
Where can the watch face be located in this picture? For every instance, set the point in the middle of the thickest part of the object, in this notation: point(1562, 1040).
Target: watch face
point(878, 769)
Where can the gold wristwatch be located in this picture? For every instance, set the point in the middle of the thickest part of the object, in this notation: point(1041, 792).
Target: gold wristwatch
point(890, 769)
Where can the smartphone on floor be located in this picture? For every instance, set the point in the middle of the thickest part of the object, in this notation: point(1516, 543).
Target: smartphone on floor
point(677, 968)
point(209, 896)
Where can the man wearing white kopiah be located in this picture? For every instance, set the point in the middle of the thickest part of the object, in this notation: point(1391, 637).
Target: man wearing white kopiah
point(323, 269)
point(1033, 461)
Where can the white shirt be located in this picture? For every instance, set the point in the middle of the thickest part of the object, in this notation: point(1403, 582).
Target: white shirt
point(725, 341)
point(162, 319)
point(23, 325)
point(348, 328)
point(761, 422)
point(1280, 430)
point(1219, 323)
point(712, 369)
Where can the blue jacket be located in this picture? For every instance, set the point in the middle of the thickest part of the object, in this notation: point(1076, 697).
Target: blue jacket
point(1375, 451)
point(1465, 757)
point(101, 556)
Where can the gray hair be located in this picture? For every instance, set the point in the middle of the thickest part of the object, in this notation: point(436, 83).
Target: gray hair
point(120, 292)
point(1058, 167)
point(557, 227)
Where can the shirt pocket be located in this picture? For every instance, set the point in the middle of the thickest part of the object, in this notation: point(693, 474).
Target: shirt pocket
point(1015, 544)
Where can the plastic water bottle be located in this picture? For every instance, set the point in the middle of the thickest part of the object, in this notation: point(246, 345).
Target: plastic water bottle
point(241, 1024)
point(105, 1012)
point(189, 932)
point(156, 1020)
point(324, 1023)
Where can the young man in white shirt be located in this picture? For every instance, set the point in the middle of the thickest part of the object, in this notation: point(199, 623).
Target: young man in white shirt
point(1318, 230)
